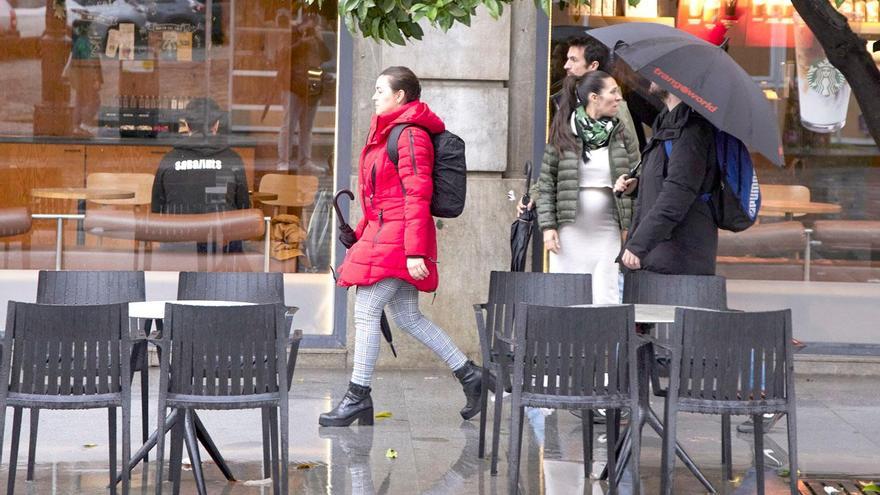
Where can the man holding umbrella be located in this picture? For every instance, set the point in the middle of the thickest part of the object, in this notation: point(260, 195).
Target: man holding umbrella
point(673, 232)
point(704, 91)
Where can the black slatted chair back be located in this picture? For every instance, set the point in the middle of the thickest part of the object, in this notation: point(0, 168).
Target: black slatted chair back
point(67, 350)
point(507, 289)
point(575, 358)
point(252, 287)
point(696, 291)
point(90, 287)
point(735, 356)
point(583, 352)
point(731, 363)
point(226, 351)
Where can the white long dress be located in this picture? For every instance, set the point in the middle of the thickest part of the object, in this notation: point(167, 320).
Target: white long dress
point(591, 243)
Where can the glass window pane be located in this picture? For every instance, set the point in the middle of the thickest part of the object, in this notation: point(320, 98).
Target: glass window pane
point(145, 111)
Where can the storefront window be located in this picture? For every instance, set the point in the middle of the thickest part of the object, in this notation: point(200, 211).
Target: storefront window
point(821, 210)
point(159, 133)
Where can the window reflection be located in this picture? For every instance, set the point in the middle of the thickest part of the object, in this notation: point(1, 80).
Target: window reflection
point(96, 94)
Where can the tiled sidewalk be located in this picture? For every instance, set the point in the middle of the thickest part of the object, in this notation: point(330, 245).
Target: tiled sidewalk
point(838, 430)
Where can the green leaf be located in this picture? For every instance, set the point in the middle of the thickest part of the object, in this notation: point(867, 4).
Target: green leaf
point(493, 7)
point(633, 3)
point(374, 26)
point(432, 13)
point(838, 3)
point(871, 487)
point(466, 20)
point(416, 30)
point(362, 10)
point(392, 34)
point(445, 22)
point(350, 6)
point(456, 11)
point(386, 5)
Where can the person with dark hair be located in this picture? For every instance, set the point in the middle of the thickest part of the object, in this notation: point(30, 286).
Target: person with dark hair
point(588, 149)
point(201, 174)
point(395, 255)
point(673, 230)
point(586, 54)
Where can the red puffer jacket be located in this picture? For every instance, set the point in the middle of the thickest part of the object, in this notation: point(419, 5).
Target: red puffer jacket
point(396, 202)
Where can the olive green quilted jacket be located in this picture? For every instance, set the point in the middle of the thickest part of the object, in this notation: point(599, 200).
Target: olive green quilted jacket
point(556, 192)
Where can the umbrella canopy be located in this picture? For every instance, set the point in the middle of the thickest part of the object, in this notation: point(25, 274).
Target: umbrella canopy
point(702, 75)
point(347, 238)
point(521, 229)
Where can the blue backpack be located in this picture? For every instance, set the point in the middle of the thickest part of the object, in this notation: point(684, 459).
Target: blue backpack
point(736, 198)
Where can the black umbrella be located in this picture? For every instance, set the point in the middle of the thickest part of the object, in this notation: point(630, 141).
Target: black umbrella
point(521, 229)
point(702, 75)
point(348, 239)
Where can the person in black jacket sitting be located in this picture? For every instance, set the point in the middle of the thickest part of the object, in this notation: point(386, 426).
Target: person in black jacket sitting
point(201, 174)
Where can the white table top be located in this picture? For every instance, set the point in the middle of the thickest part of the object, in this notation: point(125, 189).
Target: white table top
point(155, 310)
point(647, 313)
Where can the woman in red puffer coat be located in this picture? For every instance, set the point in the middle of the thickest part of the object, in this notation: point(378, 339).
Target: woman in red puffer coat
point(395, 255)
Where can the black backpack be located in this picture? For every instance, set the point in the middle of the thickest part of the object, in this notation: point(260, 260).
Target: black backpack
point(450, 170)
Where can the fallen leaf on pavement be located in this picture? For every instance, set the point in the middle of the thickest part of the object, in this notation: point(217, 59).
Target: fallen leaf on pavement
point(391, 454)
point(265, 482)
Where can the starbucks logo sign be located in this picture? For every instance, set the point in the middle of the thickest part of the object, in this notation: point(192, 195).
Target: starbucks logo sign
point(824, 79)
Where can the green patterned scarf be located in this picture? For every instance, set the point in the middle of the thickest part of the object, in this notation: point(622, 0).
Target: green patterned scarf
point(594, 133)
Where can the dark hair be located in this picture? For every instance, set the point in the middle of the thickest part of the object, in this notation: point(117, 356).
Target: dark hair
point(594, 50)
point(402, 78)
point(574, 94)
point(201, 114)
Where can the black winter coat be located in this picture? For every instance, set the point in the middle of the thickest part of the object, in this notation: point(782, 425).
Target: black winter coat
point(673, 230)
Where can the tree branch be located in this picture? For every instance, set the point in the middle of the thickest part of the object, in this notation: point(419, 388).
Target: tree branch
point(849, 54)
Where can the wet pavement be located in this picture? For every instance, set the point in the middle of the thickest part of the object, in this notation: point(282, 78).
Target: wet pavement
point(838, 432)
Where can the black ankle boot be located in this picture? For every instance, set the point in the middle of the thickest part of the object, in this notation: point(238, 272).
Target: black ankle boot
point(471, 377)
point(355, 405)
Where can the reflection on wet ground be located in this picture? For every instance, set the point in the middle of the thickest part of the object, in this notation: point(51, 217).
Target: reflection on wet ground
point(436, 451)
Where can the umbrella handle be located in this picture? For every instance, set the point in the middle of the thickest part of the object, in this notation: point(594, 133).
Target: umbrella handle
point(345, 192)
point(528, 175)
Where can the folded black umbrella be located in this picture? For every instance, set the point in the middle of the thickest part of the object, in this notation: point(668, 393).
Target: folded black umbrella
point(521, 229)
point(348, 239)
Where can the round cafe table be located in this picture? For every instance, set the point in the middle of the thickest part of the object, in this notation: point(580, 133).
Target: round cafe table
point(790, 208)
point(80, 194)
point(155, 310)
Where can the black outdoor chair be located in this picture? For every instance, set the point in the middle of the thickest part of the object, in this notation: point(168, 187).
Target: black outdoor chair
point(562, 357)
point(694, 291)
point(731, 363)
point(495, 317)
point(222, 358)
point(89, 288)
point(67, 357)
point(253, 287)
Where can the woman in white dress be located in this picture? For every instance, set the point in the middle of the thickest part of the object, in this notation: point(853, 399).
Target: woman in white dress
point(581, 219)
